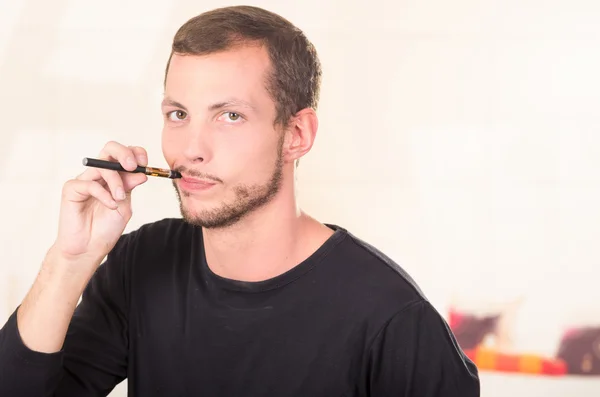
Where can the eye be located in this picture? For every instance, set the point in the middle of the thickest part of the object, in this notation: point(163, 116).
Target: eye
point(176, 115)
point(231, 117)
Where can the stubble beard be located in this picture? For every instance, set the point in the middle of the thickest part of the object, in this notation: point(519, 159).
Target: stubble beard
point(248, 198)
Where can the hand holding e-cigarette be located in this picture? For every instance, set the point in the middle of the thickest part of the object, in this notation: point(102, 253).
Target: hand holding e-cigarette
point(96, 206)
point(94, 210)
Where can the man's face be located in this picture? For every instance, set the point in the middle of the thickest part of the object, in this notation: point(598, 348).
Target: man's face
point(219, 133)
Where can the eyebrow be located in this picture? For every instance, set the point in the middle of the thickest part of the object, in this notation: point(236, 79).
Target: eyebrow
point(232, 102)
point(215, 106)
point(170, 102)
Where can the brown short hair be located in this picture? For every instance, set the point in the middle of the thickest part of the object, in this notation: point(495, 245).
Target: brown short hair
point(295, 79)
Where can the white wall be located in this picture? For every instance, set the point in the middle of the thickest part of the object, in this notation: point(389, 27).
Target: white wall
point(460, 137)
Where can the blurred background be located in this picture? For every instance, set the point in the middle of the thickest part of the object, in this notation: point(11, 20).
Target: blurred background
point(461, 138)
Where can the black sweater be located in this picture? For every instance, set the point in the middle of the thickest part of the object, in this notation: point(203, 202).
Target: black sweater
point(348, 321)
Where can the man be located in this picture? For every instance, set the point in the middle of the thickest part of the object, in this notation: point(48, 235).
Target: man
point(247, 295)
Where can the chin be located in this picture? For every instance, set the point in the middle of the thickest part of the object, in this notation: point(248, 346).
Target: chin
point(201, 214)
point(219, 213)
point(192, 209)
point(211, 219)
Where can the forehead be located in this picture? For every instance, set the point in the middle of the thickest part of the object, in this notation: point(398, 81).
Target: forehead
point(239, 72)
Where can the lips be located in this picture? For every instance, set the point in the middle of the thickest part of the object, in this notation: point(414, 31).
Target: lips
point(187, 179)
point(195, 184)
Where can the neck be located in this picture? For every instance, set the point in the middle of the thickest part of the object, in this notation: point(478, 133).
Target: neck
point(266, 243)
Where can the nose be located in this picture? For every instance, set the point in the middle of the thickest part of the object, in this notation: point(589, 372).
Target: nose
point(197, 145)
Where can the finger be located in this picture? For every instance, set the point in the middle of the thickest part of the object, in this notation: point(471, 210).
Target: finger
point(79, 191)
point(119, 183)
point(121, 153)
point(131, 181)
point(90, 174)
point(140, 154)
point(126, 157)
point(109, 178)
point(114, 182)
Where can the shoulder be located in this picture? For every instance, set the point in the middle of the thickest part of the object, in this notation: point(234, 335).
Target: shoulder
point(369, 271)
point(151, 252)
point(382, 265)
point(136, 253)
point(419, 336)
point(368, 282)
point(161, 230)
point(152, 241)
point(157, 234)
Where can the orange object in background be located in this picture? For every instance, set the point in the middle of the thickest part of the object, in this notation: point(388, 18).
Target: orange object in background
point(492, 360)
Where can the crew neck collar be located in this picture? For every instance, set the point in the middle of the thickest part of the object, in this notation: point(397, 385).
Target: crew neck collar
point(283, 279)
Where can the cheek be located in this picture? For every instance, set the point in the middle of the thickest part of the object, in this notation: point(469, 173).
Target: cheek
point(170, 147)
point(252, 146)
point(256, 158)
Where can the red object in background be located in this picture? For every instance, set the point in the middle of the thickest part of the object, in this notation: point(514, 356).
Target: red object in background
point(580, 350)
point(491, 360)
point(470, 330)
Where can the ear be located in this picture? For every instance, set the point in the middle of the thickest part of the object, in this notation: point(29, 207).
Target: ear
point(300, 134)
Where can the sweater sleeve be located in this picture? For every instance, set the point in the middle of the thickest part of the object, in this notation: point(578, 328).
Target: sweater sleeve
point(416, 355)
point(93, 359)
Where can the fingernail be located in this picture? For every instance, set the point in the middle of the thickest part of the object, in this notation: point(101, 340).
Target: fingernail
point(120, 193)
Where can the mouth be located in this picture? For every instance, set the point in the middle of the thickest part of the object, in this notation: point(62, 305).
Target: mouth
point(195, 184)
point(189, 179)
